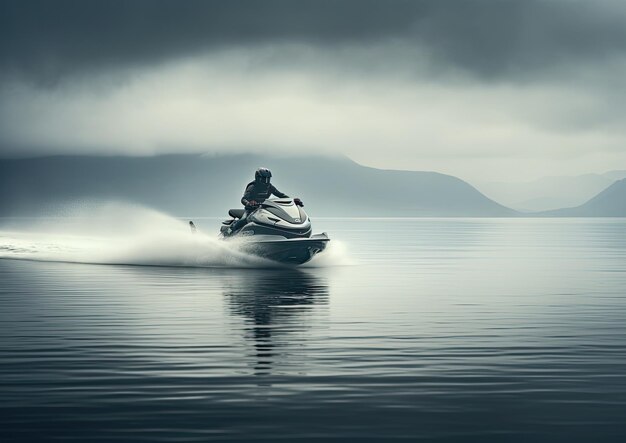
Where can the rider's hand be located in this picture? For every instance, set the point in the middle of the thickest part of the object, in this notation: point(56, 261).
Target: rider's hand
point(253, 203)
point(298, 202)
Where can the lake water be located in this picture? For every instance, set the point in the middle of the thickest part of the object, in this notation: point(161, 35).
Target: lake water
point(410, 329)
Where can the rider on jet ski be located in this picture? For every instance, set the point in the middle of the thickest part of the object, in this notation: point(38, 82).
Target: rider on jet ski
point(256, 192)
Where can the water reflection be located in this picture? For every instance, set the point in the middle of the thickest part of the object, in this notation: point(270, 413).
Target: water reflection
point(275, 305)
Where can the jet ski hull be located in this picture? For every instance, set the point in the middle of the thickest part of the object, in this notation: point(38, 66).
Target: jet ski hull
point(294, 251)
point(278, 230)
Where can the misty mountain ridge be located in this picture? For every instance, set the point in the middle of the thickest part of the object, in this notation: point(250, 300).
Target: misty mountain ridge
point(611, 202)
point(549, 193)
point(203, 185)
point(208, 185)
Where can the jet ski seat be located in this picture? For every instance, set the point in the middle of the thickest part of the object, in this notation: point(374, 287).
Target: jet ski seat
point(236, 213)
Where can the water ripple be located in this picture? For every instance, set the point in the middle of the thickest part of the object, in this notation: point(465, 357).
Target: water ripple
point(450, 330)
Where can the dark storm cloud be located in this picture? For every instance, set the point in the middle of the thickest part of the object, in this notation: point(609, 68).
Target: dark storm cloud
point(53, 37)
point(46, 40)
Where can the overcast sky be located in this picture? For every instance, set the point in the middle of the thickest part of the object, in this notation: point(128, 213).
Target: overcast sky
point(483, 89)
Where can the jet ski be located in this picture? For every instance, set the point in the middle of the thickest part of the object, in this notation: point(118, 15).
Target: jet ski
point(279, 230)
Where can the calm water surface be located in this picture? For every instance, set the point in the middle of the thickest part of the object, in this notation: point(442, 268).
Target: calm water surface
point(446, 330)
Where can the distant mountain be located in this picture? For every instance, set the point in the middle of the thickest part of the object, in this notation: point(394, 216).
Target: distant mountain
point(550, 192)
point(615, 175)
point(609, 203)
point(196, 185)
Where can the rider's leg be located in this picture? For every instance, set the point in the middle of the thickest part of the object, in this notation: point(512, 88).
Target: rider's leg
point(239, 223)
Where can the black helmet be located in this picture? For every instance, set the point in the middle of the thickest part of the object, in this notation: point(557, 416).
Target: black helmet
point(263, 175)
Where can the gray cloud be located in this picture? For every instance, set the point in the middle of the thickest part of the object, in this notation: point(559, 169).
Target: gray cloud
point(474, 88)
point(219, 104)
point(48, 40)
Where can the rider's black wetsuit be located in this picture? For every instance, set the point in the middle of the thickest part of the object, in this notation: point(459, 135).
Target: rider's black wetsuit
point(259, 192)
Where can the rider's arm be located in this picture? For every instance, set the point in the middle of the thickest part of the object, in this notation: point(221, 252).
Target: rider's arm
point(245, 200)
point(277, 193)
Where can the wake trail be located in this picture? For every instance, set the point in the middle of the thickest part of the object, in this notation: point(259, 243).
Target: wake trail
point(124, 234)
point(116, 233)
